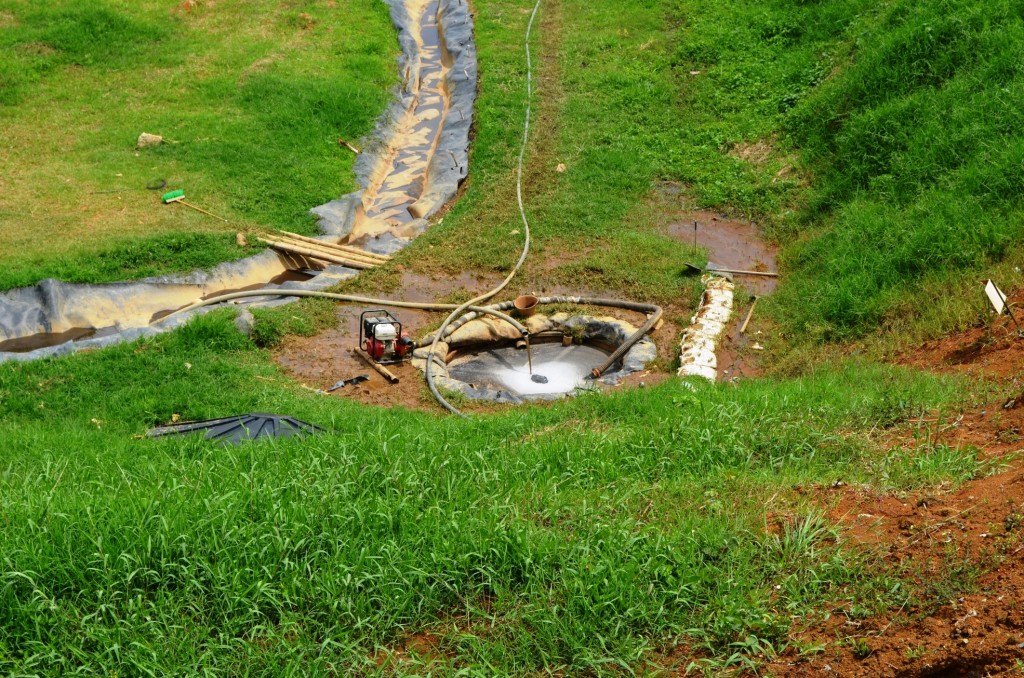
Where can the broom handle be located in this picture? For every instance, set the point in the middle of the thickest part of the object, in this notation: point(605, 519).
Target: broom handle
point(200, 209)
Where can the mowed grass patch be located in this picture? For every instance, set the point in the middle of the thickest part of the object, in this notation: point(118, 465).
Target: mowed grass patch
point(252, 97)
point(581, 537)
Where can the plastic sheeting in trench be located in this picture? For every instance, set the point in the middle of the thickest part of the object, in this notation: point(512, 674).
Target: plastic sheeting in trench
point(480, 360)
point(413, 164)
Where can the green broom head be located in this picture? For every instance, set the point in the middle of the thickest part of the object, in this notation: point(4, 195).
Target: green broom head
point(174, 196)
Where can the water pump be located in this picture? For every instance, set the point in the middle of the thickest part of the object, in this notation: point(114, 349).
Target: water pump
point(381, 336)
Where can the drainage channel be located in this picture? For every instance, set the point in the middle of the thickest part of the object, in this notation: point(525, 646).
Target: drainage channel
point(416, 158)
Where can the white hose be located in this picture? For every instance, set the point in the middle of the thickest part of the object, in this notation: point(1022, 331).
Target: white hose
point(526, 231)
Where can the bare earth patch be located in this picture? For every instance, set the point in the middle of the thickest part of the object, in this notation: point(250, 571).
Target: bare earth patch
point(979, 525)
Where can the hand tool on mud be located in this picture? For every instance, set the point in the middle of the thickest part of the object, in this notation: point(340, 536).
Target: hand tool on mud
point(693, 269)
point(352, 381)
point(179, 196)
point(743, 328)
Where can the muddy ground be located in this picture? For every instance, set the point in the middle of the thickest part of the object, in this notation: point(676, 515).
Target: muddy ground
point(736, 245)
point(321, 361)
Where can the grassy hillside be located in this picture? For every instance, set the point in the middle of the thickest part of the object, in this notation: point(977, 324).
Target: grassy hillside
point(586, 536)
point(641, 530)
point(901, 123)
point(252, 96)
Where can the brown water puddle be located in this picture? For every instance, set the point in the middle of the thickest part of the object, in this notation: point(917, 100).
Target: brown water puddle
point(730, 244)
point(735, 245)
point(392, 199)
point(31, 343)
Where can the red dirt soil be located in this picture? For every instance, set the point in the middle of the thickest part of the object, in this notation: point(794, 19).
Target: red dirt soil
point(975, 634)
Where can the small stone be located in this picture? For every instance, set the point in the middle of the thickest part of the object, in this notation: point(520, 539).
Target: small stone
point(146, 140)
point(539, 379)
point(240, 240)
point(244, 321)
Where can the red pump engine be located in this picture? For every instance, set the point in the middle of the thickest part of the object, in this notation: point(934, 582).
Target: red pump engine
point(381, 336)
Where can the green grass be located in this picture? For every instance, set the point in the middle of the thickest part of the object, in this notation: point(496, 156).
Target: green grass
point(614, 59)
point(584, 536)
point(254, 96)
point(589, 537)
point(906, 118)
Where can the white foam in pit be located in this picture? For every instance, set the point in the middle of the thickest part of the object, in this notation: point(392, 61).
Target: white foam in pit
point(565, 367)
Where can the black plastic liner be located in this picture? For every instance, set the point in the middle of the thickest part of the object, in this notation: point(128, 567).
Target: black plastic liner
point(241, 428)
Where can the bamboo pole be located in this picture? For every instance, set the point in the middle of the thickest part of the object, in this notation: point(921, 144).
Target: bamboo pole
point(343, 248)
point(325, 250)
point(383, 371)
point(362, 266)
point(749, 314)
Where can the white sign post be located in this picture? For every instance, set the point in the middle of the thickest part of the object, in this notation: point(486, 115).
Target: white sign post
point(998, 301)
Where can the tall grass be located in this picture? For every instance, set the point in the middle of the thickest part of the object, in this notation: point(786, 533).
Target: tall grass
point(917, 150)
point(893, 151)
point(582, 536)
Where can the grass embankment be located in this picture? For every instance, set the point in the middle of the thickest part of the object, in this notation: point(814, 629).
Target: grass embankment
point(606, 534)
point(586, 536)
point(252, 95)
point(903, 120)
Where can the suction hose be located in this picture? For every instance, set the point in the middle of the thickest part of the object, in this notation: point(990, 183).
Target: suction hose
point(278, 292)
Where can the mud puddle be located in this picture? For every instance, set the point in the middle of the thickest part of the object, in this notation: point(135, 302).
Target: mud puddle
point(731, 244)
point(44, 340)
point(736, 245)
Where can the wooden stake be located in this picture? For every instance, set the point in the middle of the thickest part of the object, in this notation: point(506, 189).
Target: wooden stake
point(383, 371)
point(743, 329)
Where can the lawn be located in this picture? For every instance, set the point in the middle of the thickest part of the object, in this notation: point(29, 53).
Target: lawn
point(633, 532)
point(250, 96)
